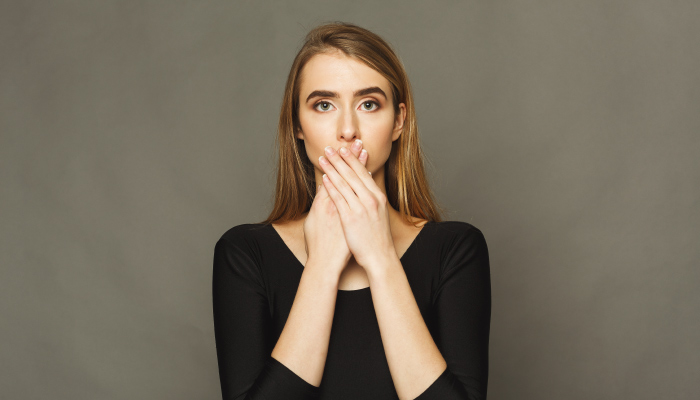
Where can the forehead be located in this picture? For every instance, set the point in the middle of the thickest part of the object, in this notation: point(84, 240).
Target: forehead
point(340, 73)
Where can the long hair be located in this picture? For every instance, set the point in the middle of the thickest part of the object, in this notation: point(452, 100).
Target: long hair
point(406, 183)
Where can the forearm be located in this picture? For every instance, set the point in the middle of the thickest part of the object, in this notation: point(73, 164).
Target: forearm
point(303, 344)
point(414, 360)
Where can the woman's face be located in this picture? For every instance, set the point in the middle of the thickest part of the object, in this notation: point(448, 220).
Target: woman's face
point(342, 99)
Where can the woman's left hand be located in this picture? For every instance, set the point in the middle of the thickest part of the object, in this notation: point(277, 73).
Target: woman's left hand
point(362, 206)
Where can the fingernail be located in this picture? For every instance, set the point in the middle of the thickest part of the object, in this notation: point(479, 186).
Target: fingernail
point(363, 154)
point(343, 151)
point(357, 144)
point(329, 150)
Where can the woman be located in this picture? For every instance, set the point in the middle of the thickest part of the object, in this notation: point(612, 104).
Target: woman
point(353, 287)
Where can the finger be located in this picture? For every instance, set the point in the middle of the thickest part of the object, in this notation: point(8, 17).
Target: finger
point(363, 159)
point(360, 153)
point(344, 179)
point(356, 174)
point(338, 199)
point(356, 148)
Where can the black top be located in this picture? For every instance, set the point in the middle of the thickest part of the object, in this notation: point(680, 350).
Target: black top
point(255, 280)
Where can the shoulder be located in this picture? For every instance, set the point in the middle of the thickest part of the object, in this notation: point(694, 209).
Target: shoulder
point(452, 230)
point(238, 254)
point(245, 236)
point(458, 239)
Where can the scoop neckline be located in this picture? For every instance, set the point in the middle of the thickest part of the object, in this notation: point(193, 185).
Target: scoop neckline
point(364, 289)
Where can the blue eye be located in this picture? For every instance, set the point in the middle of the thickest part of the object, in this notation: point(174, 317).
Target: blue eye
point(324, 103)
point(371, 102)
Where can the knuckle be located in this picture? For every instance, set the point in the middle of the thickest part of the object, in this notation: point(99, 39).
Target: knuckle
point(344, 184)
point(372, 202)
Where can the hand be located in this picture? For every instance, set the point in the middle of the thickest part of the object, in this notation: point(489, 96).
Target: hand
point(323, 232)
point(363, 209)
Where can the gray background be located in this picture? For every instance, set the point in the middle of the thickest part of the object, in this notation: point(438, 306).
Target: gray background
point(135, 133)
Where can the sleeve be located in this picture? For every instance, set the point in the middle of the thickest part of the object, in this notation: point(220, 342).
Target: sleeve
point(462, 304)
point(242, 326)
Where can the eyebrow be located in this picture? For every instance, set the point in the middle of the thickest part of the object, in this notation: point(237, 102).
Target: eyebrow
point(361, 92)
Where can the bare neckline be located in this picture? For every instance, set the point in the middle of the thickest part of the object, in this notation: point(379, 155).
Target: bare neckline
point(291, 253)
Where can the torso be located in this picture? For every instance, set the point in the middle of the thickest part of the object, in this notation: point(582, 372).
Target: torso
point(353, 276)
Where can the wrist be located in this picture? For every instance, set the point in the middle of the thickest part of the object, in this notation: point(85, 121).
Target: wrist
point(322, 272)
point(379, 268)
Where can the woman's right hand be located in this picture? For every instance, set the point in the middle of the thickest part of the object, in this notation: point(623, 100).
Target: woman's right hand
point(323, 231)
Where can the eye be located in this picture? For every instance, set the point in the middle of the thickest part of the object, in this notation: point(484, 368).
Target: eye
point(325, 106)
point(370, 102)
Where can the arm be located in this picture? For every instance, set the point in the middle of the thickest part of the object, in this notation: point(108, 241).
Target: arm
point(462, 306)
point(462, 303)
point(303, 343)
point(242, 326)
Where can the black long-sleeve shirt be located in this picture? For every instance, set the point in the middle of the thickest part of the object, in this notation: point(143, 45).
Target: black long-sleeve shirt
point(255, 279)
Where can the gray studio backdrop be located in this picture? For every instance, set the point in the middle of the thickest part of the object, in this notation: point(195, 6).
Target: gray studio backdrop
point(135, 133)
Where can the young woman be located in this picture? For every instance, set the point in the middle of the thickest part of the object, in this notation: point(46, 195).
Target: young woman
point(353, 287)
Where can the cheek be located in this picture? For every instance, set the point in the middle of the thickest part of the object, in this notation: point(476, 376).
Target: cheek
point(316, 127)
point(317, 135)
point(379, 129)
point(378, 144)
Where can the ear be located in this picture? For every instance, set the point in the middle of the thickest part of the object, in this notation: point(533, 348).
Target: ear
point(299, 134)
point(399, 122)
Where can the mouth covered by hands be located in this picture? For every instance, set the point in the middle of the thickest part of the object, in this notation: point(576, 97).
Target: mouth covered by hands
point(362, 206)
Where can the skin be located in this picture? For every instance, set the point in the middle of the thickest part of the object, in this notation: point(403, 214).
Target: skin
point(338, 122)
point(351, 223)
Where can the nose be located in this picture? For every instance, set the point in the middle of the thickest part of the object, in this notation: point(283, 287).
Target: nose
point(348, 130)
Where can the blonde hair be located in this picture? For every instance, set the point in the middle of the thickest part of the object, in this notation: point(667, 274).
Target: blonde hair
point(406, 183)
